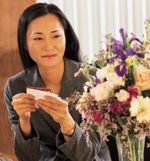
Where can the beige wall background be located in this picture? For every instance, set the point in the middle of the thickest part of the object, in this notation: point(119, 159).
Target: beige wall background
point(10, 64)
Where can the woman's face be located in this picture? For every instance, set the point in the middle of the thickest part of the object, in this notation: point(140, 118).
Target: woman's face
point(46, 40)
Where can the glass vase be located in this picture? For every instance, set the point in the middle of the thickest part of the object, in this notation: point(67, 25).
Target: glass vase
point(130, 148)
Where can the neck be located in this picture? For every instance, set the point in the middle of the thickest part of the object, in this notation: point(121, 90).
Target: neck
point(52, 76)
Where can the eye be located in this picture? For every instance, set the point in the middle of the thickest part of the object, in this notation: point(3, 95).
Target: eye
point(37, 38)
point(56, 36)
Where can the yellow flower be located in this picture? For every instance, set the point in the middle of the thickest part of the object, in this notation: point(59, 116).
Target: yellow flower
point(140, 108)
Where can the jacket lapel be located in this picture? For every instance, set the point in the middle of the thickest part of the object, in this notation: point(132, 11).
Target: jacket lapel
point(34, 80)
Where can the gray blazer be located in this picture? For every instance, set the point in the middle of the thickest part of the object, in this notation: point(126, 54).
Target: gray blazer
point(47, 142)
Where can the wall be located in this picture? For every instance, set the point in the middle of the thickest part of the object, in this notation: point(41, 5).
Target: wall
point(9, 61)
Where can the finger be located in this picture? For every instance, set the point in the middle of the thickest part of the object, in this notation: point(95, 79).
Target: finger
point(24, 107)
point(55, 100)
point(50, 111)
point(24, 111)
point(20, 101)
point(23, 95)
point(52, 98)
point(56, 115)
point(56, 110)
point(43, 103)
point(56, 106)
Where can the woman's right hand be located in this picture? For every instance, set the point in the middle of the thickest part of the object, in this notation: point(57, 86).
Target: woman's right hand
point(24, 104)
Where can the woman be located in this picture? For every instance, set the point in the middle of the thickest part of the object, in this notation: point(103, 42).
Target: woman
point(49, 128)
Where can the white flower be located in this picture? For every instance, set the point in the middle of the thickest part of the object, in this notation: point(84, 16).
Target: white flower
point(101, 73)
point(101, 91)
point(115, 80)
point(140, 108)
point(109, 74)
point(122, 95)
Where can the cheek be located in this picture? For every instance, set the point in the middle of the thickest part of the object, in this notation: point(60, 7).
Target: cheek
point(33, 49)
point(33, 52)
point(61, 46)
point(30, 47)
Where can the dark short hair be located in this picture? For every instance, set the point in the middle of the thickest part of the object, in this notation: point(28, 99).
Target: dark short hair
point(40, 9)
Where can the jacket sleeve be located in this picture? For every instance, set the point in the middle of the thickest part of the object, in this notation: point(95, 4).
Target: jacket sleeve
point(23, 147)
point(30, 149)
point(84, 147)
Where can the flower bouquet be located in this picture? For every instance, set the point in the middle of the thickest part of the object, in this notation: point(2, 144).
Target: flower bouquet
point(116, 96)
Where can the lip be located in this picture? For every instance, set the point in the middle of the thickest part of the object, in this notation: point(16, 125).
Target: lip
point(48, 56)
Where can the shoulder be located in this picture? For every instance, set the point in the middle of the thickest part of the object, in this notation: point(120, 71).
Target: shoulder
point(71, 68)
point(72, 65)
point(17, 77)
point(17, 83)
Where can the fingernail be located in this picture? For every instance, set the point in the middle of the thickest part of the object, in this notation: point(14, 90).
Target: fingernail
point(37, 106)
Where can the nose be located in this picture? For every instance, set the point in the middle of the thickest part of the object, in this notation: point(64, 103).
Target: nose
point(48, 45)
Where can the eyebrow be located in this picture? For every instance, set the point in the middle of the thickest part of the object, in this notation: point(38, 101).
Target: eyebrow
point(40, 33)
point(54, 31)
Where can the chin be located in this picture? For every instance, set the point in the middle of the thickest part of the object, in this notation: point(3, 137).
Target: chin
point(52, 63)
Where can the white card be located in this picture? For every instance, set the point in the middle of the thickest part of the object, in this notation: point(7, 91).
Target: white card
point(39, 94)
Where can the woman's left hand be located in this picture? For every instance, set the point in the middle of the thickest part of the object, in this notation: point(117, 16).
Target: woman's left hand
point(58, 109)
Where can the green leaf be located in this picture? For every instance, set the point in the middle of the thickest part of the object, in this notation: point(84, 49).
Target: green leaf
point(120, 120)
point(146, 93)
point(130, 77)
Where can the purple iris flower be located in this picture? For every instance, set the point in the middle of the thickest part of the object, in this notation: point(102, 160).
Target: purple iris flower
point(134, 38)
point(117, 42)
point(119, 51)
point(123, 36)
point(140, 55)
point(121, 69)
point(132, 52)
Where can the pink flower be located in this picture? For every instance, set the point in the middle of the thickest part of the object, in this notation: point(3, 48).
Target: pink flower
point(84, 115)
point(97, 117)
point(117, 108)
point(133, 92)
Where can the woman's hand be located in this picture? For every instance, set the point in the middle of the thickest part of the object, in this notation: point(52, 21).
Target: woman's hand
point(24, 104)
point(58, 109)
